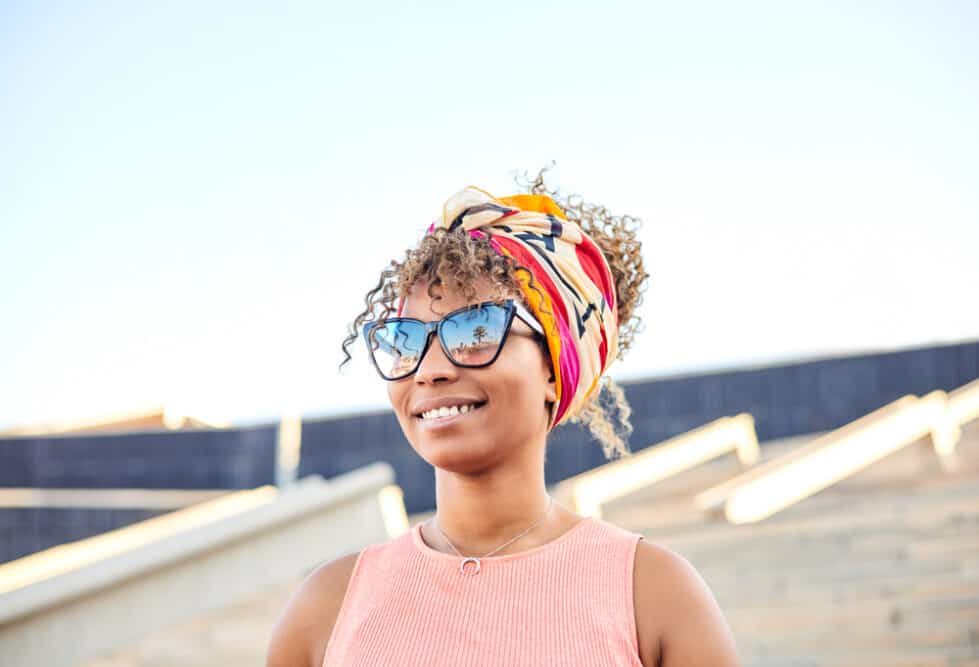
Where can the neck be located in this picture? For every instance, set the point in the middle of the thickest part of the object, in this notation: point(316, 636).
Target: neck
point(479, 513)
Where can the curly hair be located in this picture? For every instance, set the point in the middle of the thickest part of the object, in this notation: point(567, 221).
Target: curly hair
point(457, 260)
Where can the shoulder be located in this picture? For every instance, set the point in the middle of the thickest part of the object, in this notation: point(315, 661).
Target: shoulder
point(677, 617)
point(303, 629)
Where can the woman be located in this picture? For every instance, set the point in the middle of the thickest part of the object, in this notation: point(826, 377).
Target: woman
point(498, 327)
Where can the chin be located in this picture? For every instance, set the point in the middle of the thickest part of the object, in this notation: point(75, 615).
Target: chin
point(459, 457)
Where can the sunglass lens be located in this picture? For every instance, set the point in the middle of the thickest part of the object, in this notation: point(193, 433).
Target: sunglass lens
point(396, 347)
point(473, 336)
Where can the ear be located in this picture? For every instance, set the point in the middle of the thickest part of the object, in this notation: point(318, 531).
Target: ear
point(550, 390)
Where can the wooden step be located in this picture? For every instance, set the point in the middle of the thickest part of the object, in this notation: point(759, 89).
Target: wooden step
point(680, 516)
point(907, 658)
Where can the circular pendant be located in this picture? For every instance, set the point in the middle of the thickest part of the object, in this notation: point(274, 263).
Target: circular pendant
point(462, 565)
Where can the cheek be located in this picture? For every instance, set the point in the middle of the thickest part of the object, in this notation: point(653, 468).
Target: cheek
point(396, 396)
point(521, 383)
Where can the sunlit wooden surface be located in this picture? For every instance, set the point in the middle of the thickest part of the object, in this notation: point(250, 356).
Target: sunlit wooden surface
point(882, 570)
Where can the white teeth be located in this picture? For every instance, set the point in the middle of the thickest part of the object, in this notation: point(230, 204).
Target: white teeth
point(447, 411)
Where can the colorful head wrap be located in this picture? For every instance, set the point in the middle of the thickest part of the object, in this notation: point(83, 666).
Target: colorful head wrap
point(578, 311)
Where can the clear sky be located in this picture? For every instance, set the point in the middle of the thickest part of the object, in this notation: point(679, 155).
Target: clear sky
point(194, 197)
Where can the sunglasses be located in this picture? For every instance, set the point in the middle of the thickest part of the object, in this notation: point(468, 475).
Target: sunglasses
point(471, 337)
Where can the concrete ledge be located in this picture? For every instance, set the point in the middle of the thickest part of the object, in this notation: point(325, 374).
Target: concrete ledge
point(75, 601)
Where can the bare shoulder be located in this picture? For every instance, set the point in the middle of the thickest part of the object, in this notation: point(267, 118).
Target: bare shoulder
point(677, 616)
point(303, 629)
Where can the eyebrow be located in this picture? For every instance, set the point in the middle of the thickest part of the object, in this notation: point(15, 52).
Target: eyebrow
point(404, 312)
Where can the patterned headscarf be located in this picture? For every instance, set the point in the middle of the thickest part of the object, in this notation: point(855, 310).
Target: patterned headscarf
point(578, 311)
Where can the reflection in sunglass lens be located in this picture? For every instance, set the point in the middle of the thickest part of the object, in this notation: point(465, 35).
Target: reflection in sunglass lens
point(396, 347)
point(473, 336)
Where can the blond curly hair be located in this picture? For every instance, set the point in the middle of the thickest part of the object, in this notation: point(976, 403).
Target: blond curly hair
point(456, 260)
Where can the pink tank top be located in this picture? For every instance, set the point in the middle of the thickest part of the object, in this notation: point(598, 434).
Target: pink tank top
point(567, 602)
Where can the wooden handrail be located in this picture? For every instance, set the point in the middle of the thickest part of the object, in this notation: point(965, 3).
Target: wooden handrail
point(588, 491)
point(963, 403)
point(190, 562)
point(715, 497)
point(162, 499)
point(836, 456)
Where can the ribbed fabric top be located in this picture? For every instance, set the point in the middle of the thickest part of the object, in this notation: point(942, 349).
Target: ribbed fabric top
point(567, 602)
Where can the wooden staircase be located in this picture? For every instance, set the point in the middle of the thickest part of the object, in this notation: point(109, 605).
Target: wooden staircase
point(880, 570)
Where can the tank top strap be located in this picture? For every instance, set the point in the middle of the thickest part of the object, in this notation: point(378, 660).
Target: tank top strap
point(610, 557)
point(376, 567)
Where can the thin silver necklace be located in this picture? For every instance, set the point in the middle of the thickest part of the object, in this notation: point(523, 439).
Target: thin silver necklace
point(474, 559)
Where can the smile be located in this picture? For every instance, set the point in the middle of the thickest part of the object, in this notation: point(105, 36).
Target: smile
point(441, 416)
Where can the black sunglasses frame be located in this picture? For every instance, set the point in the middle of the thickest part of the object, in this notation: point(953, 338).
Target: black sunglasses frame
point(512, 308)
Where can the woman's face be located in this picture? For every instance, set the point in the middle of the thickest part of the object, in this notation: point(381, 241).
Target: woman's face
point(511, 394)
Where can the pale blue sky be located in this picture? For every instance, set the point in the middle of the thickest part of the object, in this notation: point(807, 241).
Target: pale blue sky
point(194, 198)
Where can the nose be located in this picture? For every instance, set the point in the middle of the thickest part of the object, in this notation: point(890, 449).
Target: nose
point(435, 366)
